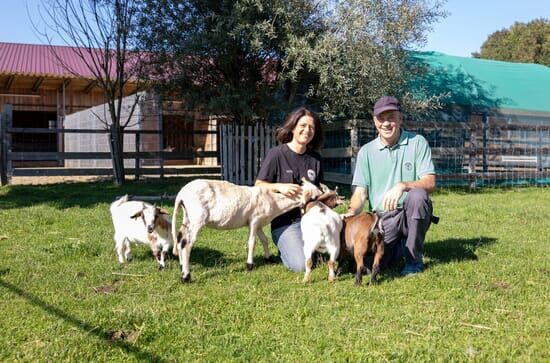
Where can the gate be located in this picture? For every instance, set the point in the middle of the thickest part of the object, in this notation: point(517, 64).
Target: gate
point(242, 150)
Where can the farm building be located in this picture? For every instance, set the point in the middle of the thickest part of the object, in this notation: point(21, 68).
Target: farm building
point(494, 126)
point(40, 93)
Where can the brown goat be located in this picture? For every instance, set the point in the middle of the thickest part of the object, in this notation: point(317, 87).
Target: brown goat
point(360, 234)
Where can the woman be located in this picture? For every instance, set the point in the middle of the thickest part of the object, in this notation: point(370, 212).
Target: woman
point(281, 171)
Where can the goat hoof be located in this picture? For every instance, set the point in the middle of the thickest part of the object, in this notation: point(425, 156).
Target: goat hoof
point(186, 279)
point(269, 259)
point(249, 267)
point(161, 267)
point(331, 279)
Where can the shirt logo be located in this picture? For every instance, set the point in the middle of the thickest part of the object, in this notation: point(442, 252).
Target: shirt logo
point(288, 171)
point(408, 166)
point(311, 174)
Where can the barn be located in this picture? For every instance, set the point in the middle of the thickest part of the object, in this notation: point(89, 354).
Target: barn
point(39, 92)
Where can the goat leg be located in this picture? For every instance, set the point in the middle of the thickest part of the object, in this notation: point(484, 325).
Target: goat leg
point(251, 245)
point(379, 246)
point(268, 258)
point(333, 252)
point(309, 265)
point(359, 252)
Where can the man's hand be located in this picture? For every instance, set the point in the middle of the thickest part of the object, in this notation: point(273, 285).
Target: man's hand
point(392, 196)
point(349, 213)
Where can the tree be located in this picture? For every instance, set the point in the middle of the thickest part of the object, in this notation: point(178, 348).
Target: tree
point(230, 57)
point(248, 59)
point(100, 33)
point(527, 43)
point(366, 53)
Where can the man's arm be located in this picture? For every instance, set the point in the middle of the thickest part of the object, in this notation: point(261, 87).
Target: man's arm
point(357, 202)
point(426, 182)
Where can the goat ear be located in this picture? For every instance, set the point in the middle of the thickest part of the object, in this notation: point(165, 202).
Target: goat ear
point(162, 211)
point(324, 188)
point(306, 196)
point(137, 215)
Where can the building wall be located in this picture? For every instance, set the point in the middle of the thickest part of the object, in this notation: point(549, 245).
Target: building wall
point(95, 119)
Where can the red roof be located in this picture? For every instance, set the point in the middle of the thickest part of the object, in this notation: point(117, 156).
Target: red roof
point(40, 60)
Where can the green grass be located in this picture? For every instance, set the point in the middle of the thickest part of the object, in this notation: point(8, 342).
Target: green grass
point(63, 297)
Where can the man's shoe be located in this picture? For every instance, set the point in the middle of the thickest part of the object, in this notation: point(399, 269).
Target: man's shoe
point(412, 268)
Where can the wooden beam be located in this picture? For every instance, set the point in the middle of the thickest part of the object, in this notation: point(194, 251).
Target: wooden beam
point(37, 84)
point(66, 83)
point(9, 82)
point(90, 86)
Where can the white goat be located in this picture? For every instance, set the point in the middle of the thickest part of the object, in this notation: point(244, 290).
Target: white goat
point(321, 227)
point(223, 205)
point(140, 222)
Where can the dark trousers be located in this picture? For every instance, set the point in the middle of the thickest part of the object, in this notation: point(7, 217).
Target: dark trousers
point(405, 230)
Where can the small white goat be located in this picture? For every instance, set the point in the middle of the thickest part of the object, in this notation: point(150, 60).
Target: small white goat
point(321, 227)
point(140, 222)
point(223, 205)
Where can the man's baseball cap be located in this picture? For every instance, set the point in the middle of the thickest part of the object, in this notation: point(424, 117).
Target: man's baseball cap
point(386, 103)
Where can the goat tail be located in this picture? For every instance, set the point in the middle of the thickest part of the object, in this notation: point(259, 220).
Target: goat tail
point(177, 205)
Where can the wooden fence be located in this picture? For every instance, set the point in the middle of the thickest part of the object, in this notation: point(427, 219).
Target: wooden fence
point(7, 156)
point(484, 150)
point(242, 150)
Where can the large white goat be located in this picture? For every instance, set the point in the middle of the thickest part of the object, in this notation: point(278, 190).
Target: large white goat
point(321, 228)
point(140, 222)
point(223, 205)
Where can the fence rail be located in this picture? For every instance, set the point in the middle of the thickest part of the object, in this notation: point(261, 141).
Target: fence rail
point(8, 156)
point(485, 150)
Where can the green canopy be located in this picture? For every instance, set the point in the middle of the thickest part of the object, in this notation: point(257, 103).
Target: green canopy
point(487, 84)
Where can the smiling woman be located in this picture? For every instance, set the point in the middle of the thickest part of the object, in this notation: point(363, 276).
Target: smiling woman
point(283, 168)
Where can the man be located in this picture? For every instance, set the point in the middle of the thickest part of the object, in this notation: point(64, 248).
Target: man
point(396, 172)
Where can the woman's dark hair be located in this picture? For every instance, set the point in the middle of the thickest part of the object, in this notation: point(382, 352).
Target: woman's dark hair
point(284, 133)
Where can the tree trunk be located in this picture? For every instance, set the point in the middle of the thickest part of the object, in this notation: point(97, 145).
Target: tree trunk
point(117, 148)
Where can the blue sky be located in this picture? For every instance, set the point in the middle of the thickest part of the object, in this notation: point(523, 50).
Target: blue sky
point(461, 33)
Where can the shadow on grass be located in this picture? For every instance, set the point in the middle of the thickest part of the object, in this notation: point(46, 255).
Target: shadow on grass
point(84, 195)
point(208, 257)
point(439, 252)
point(203, 256)
point(455, 249)
point(85, 327)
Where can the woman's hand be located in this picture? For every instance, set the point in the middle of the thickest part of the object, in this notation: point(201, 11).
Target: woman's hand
point(289, 189)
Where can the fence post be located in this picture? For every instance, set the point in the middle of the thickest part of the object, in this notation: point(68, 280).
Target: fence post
point(354, 141)
point(539, 148)
point(484, 126)
point(137, 162)
point(5, 163)
point(3, 151)
point(472, 153)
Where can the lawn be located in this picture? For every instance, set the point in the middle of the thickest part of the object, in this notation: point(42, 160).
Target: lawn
point(63, 296)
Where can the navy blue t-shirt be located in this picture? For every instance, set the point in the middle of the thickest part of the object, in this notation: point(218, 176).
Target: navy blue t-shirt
point(282, 165)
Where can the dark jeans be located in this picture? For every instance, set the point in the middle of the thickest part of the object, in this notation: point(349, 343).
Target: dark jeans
point(405, 230)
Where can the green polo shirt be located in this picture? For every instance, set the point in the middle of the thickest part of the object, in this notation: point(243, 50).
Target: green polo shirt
point(379, 167)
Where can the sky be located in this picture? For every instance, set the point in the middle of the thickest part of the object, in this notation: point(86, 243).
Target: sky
point(462, 32)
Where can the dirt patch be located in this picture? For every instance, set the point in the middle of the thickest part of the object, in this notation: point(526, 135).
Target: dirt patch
point(41, 180)
point(501, 285)
point(130, 336)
